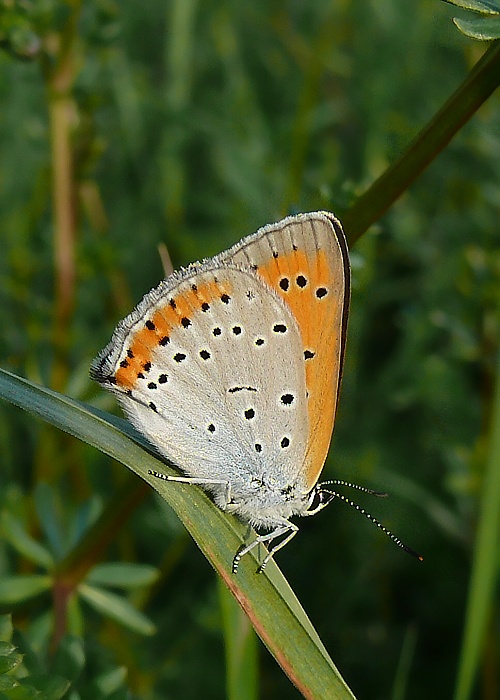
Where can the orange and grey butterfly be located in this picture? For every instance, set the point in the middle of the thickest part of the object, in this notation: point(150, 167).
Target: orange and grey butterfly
point(232, 367)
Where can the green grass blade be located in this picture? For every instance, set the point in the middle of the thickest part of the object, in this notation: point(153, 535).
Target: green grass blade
point(485, 561)
point(267, 599)
point(240, 641)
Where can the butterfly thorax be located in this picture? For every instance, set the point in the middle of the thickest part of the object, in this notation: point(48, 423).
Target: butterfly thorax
point(265, 501)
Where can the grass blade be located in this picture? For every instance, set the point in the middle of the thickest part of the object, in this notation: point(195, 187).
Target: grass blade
point(267, 599)
point(485, 561)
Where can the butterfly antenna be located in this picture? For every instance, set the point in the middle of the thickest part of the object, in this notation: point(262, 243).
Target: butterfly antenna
point(370, 517)
point(350, 485)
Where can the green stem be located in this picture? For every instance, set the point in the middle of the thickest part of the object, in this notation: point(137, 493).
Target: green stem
point(484, 574)
point(60, 66)
point(465, 101)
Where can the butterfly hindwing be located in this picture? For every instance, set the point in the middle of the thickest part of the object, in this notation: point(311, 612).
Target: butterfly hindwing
point(304, 259)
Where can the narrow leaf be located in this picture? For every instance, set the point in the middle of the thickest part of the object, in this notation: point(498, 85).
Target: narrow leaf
point(6, 628)
point(116, 608)
point(122, 575)
point(109, 682)
point(17, 589)
point(13, 532)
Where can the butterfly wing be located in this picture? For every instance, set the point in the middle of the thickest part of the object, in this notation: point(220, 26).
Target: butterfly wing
point(209, 368)
point(305, 260)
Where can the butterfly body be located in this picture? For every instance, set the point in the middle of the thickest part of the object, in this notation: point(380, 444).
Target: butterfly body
point(231, 368)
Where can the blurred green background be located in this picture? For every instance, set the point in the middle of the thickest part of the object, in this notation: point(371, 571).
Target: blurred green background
point(192, 124)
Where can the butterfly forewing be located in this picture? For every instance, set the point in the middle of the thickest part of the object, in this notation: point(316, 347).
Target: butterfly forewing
point(304, 259)
point(209, 367)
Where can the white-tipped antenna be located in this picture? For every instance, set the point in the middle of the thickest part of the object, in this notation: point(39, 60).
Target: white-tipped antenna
point(350, 485)
point(368, 516)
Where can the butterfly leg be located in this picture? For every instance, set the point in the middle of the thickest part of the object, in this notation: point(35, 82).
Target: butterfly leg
point(200, 482)
point(288, 528)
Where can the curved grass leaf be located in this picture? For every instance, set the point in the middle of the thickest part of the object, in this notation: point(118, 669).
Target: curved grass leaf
point(267, 599)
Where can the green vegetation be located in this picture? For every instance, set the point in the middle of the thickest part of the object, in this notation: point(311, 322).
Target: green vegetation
point(124, 126)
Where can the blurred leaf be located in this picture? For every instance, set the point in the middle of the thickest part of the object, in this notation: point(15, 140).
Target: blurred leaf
point(6, 628)
point(13, 531)
point(25, 692)
point(106, 684)
point(48, 512)
point(9, 662)
point(6, 684)
point(126, 575)
point(69, 659)
point(17, 589)
point(116, 608)
point(6, 648)
point(51, 687)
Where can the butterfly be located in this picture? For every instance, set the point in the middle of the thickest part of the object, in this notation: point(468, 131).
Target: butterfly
point(231, 368)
